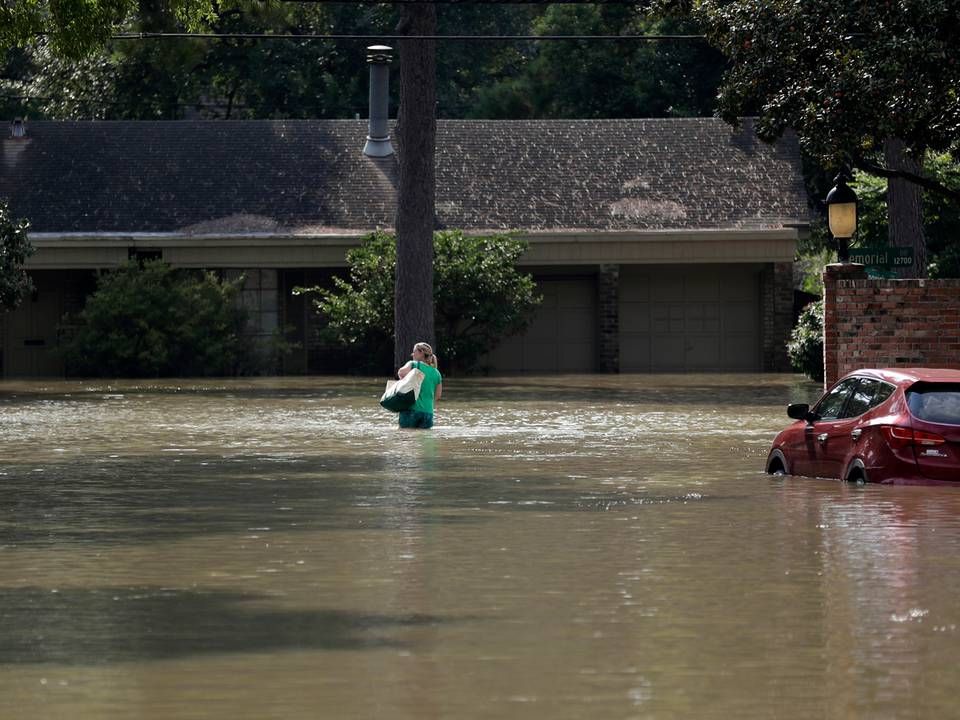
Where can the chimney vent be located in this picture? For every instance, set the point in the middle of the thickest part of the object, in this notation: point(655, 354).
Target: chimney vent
point(18, 128)
point(378, 133)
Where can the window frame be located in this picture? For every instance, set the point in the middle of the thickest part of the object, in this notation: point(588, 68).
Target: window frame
point(873, 402)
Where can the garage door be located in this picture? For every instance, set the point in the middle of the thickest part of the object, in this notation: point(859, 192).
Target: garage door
point(562, 336)
point(690, 318)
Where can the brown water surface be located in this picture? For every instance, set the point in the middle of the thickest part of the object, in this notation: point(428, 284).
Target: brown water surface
point(578, 547)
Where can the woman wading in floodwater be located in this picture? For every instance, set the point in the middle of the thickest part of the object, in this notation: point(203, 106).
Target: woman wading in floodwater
point(421, 414)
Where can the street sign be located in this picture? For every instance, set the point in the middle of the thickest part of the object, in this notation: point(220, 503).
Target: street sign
point(882, 260)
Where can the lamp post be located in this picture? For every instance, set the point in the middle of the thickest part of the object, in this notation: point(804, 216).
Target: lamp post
point(842, 215)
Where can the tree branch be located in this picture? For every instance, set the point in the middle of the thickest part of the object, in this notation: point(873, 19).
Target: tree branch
point(924, 182)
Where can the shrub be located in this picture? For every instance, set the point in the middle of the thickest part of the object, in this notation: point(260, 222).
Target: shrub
point(15, 248)
point(480, 298)
point(805, 347)
point(151, 320)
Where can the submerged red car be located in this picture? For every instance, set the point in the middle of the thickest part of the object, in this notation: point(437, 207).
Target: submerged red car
point(897, 426)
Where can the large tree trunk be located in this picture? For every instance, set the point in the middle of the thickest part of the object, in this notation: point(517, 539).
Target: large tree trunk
point(416, 136)
point(905, 207)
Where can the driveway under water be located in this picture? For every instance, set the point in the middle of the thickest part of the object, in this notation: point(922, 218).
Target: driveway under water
point(557, 547)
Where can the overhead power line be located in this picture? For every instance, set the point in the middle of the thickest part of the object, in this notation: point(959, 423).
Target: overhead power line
point(394, 38)
point(463, 2)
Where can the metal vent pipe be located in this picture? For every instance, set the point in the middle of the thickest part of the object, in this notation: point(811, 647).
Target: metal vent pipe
point(378, 137)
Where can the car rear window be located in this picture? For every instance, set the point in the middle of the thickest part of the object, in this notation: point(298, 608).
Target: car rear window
point(935, 402)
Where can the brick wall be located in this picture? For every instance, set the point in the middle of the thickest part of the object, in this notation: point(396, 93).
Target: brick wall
point(776, 288)
point(887, 323)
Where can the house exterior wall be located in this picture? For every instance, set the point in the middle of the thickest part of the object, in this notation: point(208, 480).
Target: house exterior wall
point(273, 264)
point(887, 323)
point(31, 335)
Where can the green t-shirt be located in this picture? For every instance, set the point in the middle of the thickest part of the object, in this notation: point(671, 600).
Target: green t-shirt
point(431, 378)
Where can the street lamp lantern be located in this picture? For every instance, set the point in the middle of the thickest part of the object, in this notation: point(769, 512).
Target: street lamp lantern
point(842, 215)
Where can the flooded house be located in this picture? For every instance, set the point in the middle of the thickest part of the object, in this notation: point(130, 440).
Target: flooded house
point(657, 244)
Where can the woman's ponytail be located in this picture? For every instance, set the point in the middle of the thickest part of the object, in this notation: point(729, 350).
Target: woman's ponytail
point(428, 355)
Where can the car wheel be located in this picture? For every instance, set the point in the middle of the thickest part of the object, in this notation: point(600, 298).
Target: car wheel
point(776, 467)
point(857, 475)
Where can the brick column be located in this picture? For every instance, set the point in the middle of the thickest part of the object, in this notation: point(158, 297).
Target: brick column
point(777, 315)
point(608, 309)
point(834, 311)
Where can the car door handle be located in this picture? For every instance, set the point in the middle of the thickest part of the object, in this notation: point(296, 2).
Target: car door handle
point(822, 437)
point(855, 434)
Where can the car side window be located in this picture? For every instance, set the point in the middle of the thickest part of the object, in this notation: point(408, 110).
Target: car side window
point(861, 398)
point(883, 392)
point(831, 405)
point(866, 395)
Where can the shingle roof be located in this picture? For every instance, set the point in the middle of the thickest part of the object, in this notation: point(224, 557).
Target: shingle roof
point(308, 176)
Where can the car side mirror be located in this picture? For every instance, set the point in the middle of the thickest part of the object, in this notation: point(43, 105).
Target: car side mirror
point(800, 411)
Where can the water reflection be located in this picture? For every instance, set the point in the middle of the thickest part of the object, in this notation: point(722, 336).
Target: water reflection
point(112, 625)
point(556, 547)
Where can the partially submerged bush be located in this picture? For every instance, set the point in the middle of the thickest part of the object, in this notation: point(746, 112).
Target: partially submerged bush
point(151, 320)
point(480, 299)
point(805, 347)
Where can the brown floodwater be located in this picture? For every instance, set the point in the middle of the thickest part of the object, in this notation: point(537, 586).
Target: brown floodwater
point(557, 547)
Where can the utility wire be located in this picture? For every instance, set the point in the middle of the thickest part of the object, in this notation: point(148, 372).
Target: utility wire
point(393, 38)
point(464, 2)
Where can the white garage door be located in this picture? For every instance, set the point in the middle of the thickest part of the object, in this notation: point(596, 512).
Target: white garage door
point(562, 336)
point(689, 318)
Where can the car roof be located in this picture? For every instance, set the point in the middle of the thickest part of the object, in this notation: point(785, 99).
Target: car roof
point(908, 376)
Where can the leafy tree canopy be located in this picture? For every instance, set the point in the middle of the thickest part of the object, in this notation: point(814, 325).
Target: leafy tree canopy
point(845, 75)
point(74, 27)
point(603, 78)
point(309, 78)
point(230, 78)
point(480, 299)
point(15, 248)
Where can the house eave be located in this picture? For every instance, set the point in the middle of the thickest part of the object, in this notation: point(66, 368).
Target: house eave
point(303, 248)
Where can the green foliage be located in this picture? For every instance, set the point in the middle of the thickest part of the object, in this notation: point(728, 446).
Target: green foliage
point(154, 321)
point(359, 309)
point(596, 79)
point(237, 79)
point(808, 267)
point(805, 347)
point(479, 299)
point(941, 217)
point(230, 79)
point(846, 76)
point(15, 248)
point(72, 26)
point(872, 219)
point(466, 71)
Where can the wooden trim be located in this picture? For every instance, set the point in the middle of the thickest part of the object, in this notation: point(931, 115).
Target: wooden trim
point(85, 250)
